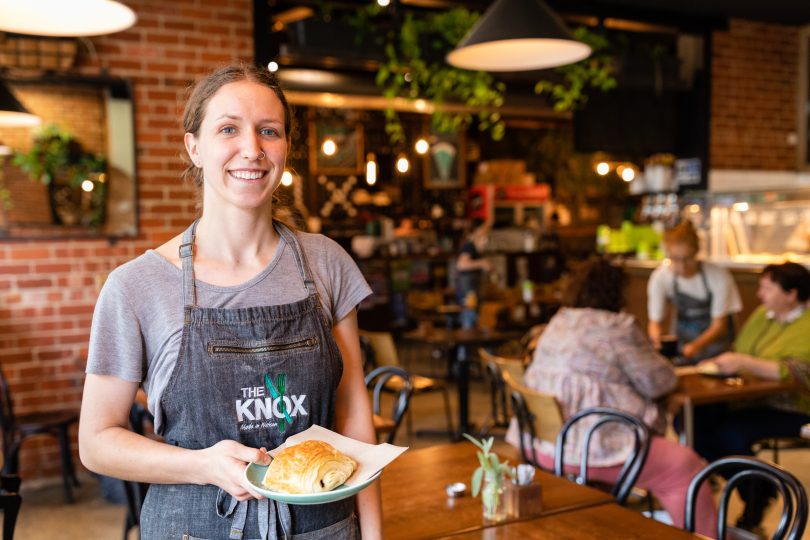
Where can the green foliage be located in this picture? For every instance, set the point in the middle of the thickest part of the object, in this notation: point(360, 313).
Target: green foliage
point(57, 152)
point(595, 72)
point(489, 463)
point(416, 69)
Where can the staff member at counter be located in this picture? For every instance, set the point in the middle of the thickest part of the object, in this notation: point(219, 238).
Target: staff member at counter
point(704, 296)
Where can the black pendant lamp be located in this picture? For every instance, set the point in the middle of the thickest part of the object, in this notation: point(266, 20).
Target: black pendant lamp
point(518, 35)
point(12, 112)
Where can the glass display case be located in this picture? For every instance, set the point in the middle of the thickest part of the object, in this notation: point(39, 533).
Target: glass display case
point(752, 227)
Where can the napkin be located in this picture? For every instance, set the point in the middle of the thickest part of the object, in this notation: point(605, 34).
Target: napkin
point(370, 458)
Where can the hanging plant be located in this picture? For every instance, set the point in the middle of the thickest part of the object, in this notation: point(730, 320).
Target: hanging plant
point(416, 47)
point(595, 72)
point(56, 158)
point(416, 70)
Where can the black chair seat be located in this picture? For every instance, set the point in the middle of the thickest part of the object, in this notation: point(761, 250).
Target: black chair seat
point(44, 422)
point(16, 428)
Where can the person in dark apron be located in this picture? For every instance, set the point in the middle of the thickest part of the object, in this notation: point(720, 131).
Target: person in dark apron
point(239, 378)
point(704, 298)
point(225, 351)
point(694, 316)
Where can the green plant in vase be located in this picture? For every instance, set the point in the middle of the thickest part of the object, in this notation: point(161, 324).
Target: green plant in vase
point(488, 479)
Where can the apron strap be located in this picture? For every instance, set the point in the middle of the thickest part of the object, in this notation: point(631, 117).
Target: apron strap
point(186, 253)
point(269, 513)
point(300, 258)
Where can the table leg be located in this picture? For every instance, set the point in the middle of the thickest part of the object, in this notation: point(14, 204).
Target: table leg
point(462, 376)
point(688, 434)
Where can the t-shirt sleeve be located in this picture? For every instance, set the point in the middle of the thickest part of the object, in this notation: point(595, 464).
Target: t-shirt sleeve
point(725, 295)
point(348, 286)
point(116, 345)
point(657, 295)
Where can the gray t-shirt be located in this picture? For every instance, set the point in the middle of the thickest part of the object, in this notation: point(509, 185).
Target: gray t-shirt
point(138, 320)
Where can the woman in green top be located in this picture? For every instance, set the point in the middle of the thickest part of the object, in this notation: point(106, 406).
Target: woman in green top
point(772, 344)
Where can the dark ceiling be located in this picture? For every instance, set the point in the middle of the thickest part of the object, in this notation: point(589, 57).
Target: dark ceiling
point(790, 12)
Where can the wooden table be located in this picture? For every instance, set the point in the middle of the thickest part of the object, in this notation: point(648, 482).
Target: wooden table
point(416, 505)
point(605, 522)
point(695, 389)
point(451, 340)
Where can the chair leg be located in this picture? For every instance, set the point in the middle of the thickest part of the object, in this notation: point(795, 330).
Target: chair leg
point(448, 414)
point(11, 507)
point(68, 476)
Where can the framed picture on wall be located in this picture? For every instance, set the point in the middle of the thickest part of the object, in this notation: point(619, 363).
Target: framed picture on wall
point(335, 148)
point(444, 162)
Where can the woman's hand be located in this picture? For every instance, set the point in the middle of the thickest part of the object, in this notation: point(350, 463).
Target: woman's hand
point(224, 466)
point(728, 363)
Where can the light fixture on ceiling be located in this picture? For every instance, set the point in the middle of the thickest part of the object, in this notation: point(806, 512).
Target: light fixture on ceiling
point(75, 18)
point(12, 112)
point(517, 35)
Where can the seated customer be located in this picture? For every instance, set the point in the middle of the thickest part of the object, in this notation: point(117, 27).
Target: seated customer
point(773, 344)
point(593, 355)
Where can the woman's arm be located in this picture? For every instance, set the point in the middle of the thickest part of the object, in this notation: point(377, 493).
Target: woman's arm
point(108, 447)
point(734, 362)
point(650, 373)
point(717, 328)
point(465, 263)
point(353, 417)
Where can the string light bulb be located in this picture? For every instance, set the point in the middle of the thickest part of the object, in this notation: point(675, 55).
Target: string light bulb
point(602, 168)
point(286, 178)
point(329, 147)
point(421, 146)
point(371, 169)
point(628, 174)
point(403, 164)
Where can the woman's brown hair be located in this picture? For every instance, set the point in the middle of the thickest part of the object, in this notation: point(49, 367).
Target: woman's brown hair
point(200, 94)
point(596, 284)
point(683, 233)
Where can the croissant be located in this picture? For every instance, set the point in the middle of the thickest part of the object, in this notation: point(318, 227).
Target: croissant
point(308, 467)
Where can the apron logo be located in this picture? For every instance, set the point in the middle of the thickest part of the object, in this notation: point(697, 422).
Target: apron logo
point(276, 410)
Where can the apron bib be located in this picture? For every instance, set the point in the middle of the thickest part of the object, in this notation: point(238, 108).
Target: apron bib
point(694, 315)
point(255, 375)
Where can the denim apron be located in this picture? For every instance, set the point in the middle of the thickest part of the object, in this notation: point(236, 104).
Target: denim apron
point(255, 375)
point(694, 315)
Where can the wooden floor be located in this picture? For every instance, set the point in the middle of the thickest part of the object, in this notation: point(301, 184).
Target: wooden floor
point(45, 516)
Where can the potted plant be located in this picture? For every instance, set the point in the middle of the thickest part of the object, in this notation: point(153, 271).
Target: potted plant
point(75, 178)
point(489, 479)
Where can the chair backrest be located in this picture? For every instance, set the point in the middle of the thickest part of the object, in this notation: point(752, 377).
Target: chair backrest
point(794, 510)
point(376, 382)
point(635, 460)
point(383, 346)
point(538, 415)
point(514, 366)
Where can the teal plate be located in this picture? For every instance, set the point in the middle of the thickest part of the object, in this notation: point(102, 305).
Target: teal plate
point(255, 474)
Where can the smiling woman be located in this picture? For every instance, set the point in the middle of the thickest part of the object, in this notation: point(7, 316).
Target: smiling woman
point(235, 306)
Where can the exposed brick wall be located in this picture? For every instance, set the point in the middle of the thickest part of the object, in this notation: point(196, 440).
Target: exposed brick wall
point(48, 288)
point(754, 92)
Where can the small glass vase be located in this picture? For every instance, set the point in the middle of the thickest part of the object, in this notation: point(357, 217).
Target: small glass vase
point(492, 497)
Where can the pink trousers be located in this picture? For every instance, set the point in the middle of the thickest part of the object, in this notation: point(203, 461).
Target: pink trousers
point(667, 473)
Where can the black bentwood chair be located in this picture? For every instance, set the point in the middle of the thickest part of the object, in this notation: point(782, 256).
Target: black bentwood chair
point(794, 510)
point(633, 464)
point(10, 502)
point(376, 382)
point(17, 428)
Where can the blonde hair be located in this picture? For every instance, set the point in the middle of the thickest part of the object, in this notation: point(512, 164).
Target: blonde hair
point(683, 233)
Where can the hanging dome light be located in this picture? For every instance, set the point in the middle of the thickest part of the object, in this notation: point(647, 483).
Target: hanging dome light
point(517, 35)
point(67, 18)
point(12, 112)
